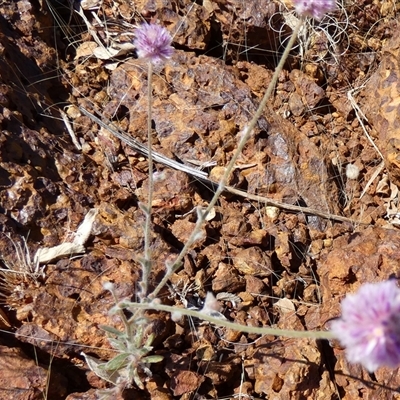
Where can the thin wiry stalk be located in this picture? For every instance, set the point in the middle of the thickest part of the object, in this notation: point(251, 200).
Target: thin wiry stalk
point(221, 187)
point(147, 263)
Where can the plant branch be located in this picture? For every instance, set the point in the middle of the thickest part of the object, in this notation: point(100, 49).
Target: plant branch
point(228, 324)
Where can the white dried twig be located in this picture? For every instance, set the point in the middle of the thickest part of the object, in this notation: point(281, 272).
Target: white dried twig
point(44, 255)
point(70, 130)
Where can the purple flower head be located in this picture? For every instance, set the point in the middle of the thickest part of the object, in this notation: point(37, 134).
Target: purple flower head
point(369, 327)
point(314, 8)
point(153, 43)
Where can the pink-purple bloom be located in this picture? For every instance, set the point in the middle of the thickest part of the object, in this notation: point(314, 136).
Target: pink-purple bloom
point(314, 8)
point(369, 327)
point(153, 43)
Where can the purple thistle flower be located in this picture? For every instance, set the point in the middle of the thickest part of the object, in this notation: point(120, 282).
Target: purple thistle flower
point(314, 8)
point(369, 327)
point(153, 43)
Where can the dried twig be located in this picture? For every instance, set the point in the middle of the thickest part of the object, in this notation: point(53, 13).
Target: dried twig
point(140, 148)
point(360, 116)
point(71, 132)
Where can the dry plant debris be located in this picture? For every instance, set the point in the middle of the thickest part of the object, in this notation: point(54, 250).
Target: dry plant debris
point(266, 264)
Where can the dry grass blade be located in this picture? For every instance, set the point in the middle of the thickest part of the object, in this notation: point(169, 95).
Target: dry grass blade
point(142, 149)
point(203, 176)
point(71, 132)
point(19, 271)
point(290, 207)
point(23, 265)
point(377, 171)
point(360, 116)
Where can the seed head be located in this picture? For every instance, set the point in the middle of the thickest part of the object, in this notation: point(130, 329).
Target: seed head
point(314, 8)
point(153, 43)
point(352, 171)
point(369, 327)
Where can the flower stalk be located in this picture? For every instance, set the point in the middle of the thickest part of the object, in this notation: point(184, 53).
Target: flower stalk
point(153, 44)
point(147, 262)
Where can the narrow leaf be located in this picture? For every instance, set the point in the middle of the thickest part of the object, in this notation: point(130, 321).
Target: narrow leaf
point(116, 363)
point(152, 359)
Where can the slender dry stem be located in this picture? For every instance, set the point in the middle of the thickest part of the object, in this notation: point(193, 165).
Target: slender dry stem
point(203, 176)
point(147, 263)
point(221, 186)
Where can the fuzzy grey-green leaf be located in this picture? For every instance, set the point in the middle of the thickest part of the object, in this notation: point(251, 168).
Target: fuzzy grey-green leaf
point(152, 359)
point(116, 363)
point(110, 329)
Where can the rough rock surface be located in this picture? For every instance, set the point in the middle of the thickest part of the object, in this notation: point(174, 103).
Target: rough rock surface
point(266, 265)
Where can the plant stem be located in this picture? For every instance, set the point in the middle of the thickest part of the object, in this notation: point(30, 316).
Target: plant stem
point(221, 186)
point(227, 324)
point(147, 262)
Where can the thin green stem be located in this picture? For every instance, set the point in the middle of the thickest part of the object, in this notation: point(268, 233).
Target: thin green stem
point(147, 263)
point(221, 186)
point(227, 324)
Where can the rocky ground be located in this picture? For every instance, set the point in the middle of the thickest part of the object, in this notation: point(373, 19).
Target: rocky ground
point(310, 215)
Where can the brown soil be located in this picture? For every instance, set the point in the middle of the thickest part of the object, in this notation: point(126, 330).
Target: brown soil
point(336, 104)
